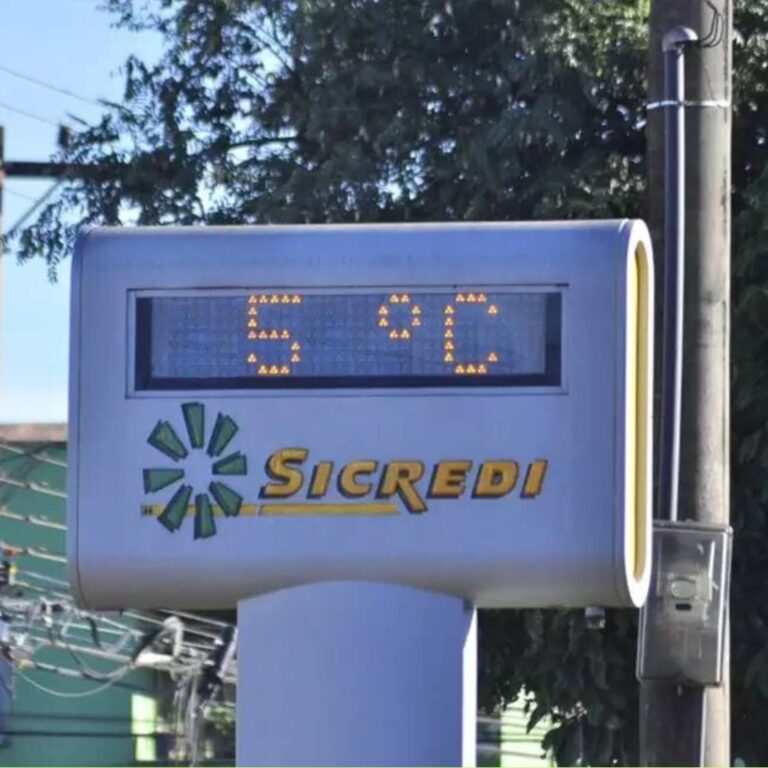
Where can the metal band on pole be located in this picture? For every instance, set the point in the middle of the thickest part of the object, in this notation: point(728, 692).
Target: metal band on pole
point(704, 104)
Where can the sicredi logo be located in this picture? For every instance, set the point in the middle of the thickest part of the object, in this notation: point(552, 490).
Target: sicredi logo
point(167, 441)
point(297, 486)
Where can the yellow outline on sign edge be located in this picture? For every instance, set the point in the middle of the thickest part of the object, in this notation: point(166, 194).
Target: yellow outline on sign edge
point(638, 359)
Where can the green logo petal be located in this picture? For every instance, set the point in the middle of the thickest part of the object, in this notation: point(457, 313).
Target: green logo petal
point(226, 498)
point(157, 479)
point(235, 464)
point(204, 525)
point(176, 509)
point(223, 431)
point(194, 417)
point(164, 438)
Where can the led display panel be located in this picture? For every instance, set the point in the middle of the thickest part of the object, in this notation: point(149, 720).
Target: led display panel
point(263, 339)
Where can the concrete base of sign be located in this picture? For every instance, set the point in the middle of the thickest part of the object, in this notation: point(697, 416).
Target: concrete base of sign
point(356, 673)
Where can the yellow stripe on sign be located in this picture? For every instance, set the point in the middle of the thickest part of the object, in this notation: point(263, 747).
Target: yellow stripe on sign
point(155, 510)
point(638, 403)
point(329, 509)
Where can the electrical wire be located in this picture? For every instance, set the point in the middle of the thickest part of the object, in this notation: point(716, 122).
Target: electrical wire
point(158, 623)
point(90, 673)
point(124, 633)
point(82, 627)
point(50, 86)
point(136, 615)
point(28, 213)
point(39, 626)
point(66, 694)
point(21, 195)
point(197, 617)
point(716, 32)
point(119, 628)
point(120, 645)
point(30, 115)
point(193, 663)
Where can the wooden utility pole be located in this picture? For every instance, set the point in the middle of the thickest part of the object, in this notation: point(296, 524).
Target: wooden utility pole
point(670, 714)
point(31, 169)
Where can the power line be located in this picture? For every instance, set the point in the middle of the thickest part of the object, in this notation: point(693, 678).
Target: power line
point(30, 115)
point(49, 86)
point(196, 617)
point(192, 663)
point(122, 631)
point(136, 615)
point(151, 620)
point(46, 642)
point(128, 614)
point(21, 195)
point(24, 216)
point(65, 672)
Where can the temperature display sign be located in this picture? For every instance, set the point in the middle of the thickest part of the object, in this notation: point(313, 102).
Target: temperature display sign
point(457, 408)
point(261, 339)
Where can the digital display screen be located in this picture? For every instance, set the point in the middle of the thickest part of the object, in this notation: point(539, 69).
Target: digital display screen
point(263, 339)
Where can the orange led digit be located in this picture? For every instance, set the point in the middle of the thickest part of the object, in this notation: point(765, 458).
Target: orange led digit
point(467, 368)
point(414, 314)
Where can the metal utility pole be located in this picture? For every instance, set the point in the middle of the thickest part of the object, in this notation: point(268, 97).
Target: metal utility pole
point(685, 725)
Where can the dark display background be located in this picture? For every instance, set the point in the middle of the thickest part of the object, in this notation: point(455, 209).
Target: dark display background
point(266, 339)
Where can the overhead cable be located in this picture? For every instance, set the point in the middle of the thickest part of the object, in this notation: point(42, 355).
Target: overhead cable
point(16, 193)
point(30, 115)
point(50, 86)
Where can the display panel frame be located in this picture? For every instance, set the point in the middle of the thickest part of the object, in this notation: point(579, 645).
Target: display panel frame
point(140, 383)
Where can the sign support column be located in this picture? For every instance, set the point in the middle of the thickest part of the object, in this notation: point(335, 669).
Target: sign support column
point(356, 673)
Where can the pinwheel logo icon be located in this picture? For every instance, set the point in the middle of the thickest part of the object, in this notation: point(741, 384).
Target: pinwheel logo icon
point(166, 440)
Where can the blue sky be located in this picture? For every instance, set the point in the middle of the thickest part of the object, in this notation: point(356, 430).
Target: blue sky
point(69, 44)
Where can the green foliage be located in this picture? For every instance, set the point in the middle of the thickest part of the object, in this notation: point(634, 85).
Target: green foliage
point(583, 678)
point(749, 379)
point(320, 110)
point(362, 110)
